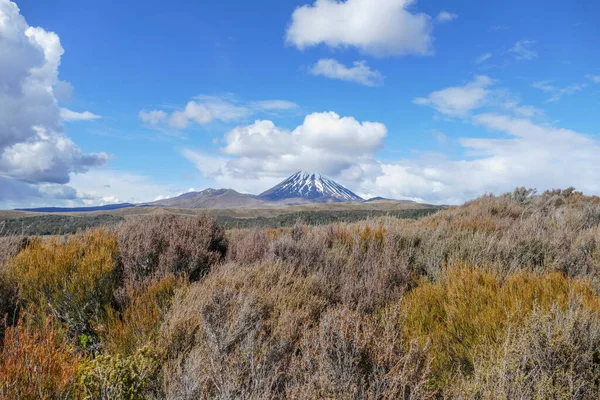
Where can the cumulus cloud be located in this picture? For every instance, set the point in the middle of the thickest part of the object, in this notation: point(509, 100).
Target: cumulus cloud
point(205, 109)
point(446, 16)
point(69, 115)
point(458, 101)
point(259, 154)
point(375, 27)
point(360, 73)
point(555, 92)
point(525, 154)
point(523, 50)
point(33, 147)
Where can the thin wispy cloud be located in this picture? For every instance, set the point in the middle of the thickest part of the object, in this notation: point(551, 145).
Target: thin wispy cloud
point(446, 16)
point(483, 58)
point(593, 78)
point(359, 72)
point(555, 92)
point(205, 109)
point(523, 50)
point(69, 115)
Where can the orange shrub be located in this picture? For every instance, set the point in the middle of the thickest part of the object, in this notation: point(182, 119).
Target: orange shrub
point(36, 362)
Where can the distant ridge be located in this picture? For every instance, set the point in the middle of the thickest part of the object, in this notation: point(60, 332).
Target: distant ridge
point(211, 198)
point(108, 207)
point(309, 186)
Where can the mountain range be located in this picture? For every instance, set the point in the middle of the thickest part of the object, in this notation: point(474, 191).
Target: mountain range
point(300, 188)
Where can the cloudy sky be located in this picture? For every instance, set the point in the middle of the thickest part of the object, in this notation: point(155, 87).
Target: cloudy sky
point(438, 101)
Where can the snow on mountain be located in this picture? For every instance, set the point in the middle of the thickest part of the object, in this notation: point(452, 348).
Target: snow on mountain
point(309, 186)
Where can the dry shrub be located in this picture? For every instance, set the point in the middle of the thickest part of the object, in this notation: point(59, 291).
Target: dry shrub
point(232, 334)
point(358, 265)
point(556, 355)
point(351, 355)
point(10, 246)
point(158, 246)
point(139, 322)
point(36, 362)
point(249, 245)
point(74, 279)
point(470, 308)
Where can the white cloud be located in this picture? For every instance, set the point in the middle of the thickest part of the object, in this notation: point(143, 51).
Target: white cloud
point(33, 147)
point(359, 73)
point(440, 137)
point(261, 154)
point(205, 109)
point(109, 186)
point(375, 27)
point(557, 92)
point(48, 158)
point(458, 101)
point(523, 50)
point(530, 155)
point(519, 110)
point(272, 105)
point(594, 78)
point(69, 115)
point(153, 117)
point(446, 16)
point(483, 58)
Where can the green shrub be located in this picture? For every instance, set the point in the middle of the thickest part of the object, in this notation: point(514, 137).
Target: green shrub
point(117, 377)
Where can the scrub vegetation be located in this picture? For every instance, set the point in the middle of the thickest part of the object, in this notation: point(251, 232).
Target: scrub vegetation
point(495, 299)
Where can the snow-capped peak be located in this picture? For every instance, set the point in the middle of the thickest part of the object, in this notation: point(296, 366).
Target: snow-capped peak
point(311, 186)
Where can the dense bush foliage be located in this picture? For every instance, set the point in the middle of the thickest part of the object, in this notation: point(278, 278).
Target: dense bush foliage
point(154, 247)
point(51, 224)
point(494, 299)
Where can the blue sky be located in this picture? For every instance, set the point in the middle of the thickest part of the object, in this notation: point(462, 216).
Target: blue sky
point(430, 100)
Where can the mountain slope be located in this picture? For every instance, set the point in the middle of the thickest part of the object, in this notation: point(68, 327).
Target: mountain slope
point(211, 198)
point(311, 187)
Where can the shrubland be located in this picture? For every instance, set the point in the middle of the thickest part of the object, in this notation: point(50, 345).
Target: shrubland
point(497, 298)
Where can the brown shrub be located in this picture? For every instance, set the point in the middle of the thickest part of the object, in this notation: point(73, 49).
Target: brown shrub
point(159, 246)
point(10, 246)
point(36, 362)
point(351, 355)
point(248, 245)
point(232, 334)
